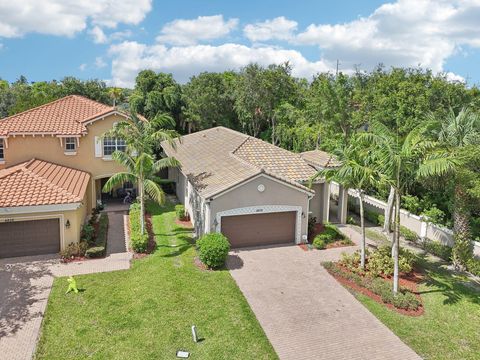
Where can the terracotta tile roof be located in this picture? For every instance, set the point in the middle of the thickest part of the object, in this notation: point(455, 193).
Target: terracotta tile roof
point(319, 158)
point(38, 182)
point(216, 159)
point(65, 116)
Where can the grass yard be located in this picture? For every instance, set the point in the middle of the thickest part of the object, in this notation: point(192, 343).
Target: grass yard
point(147, 312)
point(450, 327)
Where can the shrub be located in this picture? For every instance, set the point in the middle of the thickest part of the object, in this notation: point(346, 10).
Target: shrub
point(473, 266)
point(74, 249)
point(381, 261)
point(320, 242)
point(99, 249)
point(408, 234)
point(213, 249)
point(438, 249)
point(138, 242)
point(380, 219)
point(333, 232)
point(180, 212)
point(404, 299)
point(371, 216)
point(434, 215)
point(88, 233)
point(350, 261)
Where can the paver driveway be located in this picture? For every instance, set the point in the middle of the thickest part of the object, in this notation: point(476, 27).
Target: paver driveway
point(305, 313)
point(25, 285)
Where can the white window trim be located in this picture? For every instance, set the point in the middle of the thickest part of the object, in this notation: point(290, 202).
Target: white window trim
point(264, 209)
point(109, 157)
point(73, 151)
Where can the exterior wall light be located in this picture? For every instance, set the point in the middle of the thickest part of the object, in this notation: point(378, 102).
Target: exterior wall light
point(67, 224)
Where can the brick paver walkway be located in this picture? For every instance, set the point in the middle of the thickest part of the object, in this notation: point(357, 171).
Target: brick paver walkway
point(25, 285)
point(305, 313)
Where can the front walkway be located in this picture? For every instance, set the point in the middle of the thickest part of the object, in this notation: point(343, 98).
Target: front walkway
point(305, 312)
point(25, 285)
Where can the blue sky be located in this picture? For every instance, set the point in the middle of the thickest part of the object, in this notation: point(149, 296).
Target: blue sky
point(114, 40)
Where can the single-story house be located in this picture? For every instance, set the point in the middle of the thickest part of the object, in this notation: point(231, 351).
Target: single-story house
point(253, 192)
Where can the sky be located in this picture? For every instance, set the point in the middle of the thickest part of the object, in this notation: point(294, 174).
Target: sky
point(114, 40)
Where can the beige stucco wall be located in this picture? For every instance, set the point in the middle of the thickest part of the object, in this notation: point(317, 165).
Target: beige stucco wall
point(48, 148)
point(247, 195)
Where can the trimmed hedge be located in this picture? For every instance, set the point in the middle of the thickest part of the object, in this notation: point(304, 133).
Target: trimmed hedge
point(473, 266)
point(404, 299)
point(213, 249)
point(138, 242)
point(408, 234)
point(438, 249)
point(180, 212)
point(100, 247)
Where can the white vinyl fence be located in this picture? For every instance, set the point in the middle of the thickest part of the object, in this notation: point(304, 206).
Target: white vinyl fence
point(410, 221)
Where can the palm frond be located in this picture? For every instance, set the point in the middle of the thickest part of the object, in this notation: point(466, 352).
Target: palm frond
point(154, 191)
point(124, 159)
point(118, 179)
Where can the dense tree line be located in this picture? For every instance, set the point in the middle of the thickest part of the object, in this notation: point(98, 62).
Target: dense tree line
point(268, 102)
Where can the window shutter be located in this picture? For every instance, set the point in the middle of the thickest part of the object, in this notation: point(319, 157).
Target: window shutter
point(98, 146)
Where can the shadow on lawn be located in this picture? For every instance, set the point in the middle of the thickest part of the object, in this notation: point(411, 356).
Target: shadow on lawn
point(183, 237)
point(442, 281)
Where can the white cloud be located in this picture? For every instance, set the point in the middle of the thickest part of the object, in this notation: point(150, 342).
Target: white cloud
point(67, 17)
point(130, 57)
point(452, 77)
point(98, 35)
point(82, 67)
point(99, 62)
point(404, 33)
point(190, 32)
point(279, 28)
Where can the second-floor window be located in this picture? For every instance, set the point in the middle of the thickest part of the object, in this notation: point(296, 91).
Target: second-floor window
point(2, 154)
point(110, 145)
point(70, 144)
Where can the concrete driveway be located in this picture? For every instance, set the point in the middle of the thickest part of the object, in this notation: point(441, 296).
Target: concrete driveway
point(305, 313)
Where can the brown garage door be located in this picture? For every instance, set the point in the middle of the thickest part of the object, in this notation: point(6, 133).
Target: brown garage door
point(259, 229)
point(24, 238)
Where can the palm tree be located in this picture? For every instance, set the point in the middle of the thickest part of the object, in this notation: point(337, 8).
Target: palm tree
point(356, 172)
point(115, 94)
point(140, 137)
point(402, 161)
point(458, 138)
point(141, 170)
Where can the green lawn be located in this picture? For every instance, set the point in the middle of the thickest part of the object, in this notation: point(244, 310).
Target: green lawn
point(147, 311)
point(450, 327)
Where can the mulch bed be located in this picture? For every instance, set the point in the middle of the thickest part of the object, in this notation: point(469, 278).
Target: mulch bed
point(152, 244)
point(198, 263)
point(338, 244)
point(185, 223)
point(409, 281)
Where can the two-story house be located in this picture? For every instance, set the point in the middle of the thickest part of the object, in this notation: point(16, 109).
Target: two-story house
point(53, 164)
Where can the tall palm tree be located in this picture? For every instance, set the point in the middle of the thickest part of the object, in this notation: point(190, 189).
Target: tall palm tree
point(141, 170)
point(115, 94)
point(355, 172)
point(140, 136)
point(402, 161)
point(458, 138)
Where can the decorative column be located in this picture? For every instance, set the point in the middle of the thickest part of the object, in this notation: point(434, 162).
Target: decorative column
point(342, 209)
point(326, 202)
